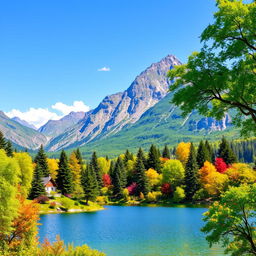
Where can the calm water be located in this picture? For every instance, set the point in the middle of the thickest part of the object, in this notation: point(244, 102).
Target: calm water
point(133, 231)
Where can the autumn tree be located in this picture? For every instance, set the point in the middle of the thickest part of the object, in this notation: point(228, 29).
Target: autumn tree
point(231, 222)
point(75, 169)
point(222, 75)
point(153, 177)
point(182, 152)
point(220, 165)
point(41, 160)
point(53, 167)
point(191, 175)
point(64, 176)
point(25, 163)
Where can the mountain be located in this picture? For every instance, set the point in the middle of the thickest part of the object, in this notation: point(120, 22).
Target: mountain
point(24, 123)
point(121, 109)
point(162, 124)
point(55, 127)
point(19, 134)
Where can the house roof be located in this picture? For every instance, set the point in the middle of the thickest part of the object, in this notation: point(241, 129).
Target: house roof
point(45, 180)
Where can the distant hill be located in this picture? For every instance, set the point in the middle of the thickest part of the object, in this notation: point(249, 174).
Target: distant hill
point(19, 134)
point(24, 123)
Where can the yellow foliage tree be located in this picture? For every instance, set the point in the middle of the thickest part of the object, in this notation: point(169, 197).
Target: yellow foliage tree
point(25, 163)
point(213, 181)
point(182, 152)
point(53, 167)
point(153, 177)
point(76, 174)
point(240, 173)
point(104, 164)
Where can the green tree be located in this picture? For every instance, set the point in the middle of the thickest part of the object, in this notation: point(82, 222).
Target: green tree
point(89, 183)
point(2, 141)
point(231, 222)
point(141, 178)
point(166, 152)
point(64, 176)
point(226, 152)
point(210, 150)
point(79, 157)
point(203, 154)
point(9, 149)
point(95, 166)
point(117, 180)
point(223, 72)
point(37, 187)
point(191, 173)
point(41, 160)
point(153, 160)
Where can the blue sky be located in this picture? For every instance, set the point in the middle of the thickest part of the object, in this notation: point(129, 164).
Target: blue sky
point(51, 51)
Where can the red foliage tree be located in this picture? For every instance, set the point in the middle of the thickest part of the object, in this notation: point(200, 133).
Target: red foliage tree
point(106, 180)
point(132, 188)
point(166, 189)
point(220, 165)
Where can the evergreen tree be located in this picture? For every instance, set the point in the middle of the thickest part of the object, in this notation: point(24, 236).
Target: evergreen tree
point(41, 160)
point(117, 181)
point(191, 170)
point(141, 179)
point(166, 152)
point(37, 188)
point(2, 141)
point(127, 156)
point(79, 158)
point(95, 167)
point(111, 169)
point(89, 184)
point(9, 149)
point(203, 154)
point(210, 150)
point(64, 176)
point(123, 176)
point(226, 153)
point(153, 160)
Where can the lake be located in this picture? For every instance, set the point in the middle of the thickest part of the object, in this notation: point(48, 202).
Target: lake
point(133, 231)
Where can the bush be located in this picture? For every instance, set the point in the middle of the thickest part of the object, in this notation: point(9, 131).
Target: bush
point(66, 203)
point(42, 199)
point(178, 195)
point(53, 205)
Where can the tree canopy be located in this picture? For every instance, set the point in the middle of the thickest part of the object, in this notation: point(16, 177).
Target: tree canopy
point(222, 76)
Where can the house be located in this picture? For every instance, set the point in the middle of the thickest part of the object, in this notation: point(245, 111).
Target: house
point(49, 185)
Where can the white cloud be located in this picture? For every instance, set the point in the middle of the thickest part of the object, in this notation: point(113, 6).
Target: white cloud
point(39, 116)
point(104, 69)
point(76, 107)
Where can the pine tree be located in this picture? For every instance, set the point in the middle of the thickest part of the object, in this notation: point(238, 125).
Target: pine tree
point(226, 153)
point(127, 156)
point(123, 175)
point(2, 141)
point(203, 154)
point(166, 152)
point(191, 170)
point(95, 167)
point(117, 180)
point(210, 150)
point(89, 184)
point(9, 149)
point(41, 160)
point(79, 158)
point(37, 188)
point(64, 176)
point(141, 179)
point(153, 160)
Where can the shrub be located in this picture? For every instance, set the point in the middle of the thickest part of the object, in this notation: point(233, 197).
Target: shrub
point(132, 188)
point(53, 205)
point(166, 189)
point(66, 203)
point(42, 199)
point(178, 195)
